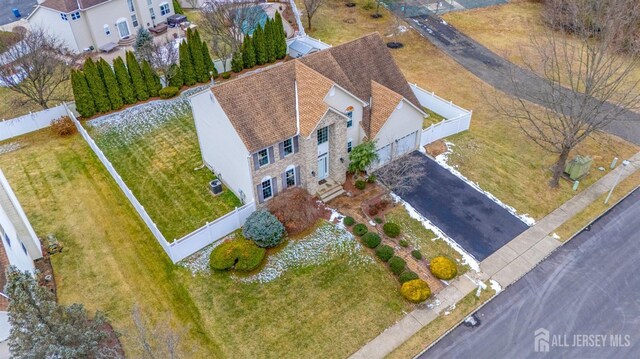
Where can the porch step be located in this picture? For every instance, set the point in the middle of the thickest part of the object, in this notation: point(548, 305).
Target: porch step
point(129, 41)
point(329, 191)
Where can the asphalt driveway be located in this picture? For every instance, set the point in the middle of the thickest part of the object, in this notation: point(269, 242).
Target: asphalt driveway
point(587, 287)
point(467, 216)
point(6, 7)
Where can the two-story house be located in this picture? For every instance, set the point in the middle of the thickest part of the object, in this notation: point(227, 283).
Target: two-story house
point(83, 24)
point(295, 123)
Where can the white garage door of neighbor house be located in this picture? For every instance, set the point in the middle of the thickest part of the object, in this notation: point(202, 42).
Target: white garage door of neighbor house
point(384, 154)
point(406, 143)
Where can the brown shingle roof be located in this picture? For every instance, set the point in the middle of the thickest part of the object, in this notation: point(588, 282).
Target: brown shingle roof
point(383, 102)
point(312, 89)
point(68, 6)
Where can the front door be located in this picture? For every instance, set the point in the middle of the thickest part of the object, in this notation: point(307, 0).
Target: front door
point(123, 29)
point(323, 167)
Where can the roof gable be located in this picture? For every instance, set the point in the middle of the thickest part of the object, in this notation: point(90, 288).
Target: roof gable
point(312, 89)
point(383, 102)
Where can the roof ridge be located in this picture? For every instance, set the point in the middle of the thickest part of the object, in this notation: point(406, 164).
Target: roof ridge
point(266, 70)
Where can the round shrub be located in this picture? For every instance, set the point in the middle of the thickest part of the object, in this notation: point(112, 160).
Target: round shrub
point(397, 265)
point(391, 229)
point(443, 268)
point(360, 229)
point(416, 254)
point(371, 179)
point(168, 92)
point(263, 228)
point(360, 184)
point(239, 253)
point(378, 220)
point(371, 240)
point(415, 290)
point(403, 243)
point(384, 252)
point(226, 75)
point(348, 221)
point(407, 276)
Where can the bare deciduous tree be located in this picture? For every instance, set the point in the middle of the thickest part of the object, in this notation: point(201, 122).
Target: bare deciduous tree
point(38, 68)
point(226, 22)
point(194, 3)
point(310, 7)
point(584, 78)
point(160, 341)
point(401, 174)
point(163, 55)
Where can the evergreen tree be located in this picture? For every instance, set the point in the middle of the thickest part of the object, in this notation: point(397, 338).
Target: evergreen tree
point(281, 37)
point(143, 46)
point(208, 62)
point(259, 45)
point(176, 80)
point(81, 94)
point(186, 66)
point(269, 41)
point(124, 81)
point(139, 86)
point(151, 79)
point(177, 8)
point(41, 328)
point(111, 83)
point(236, 62)
point(96, 86)
point(248, 53)
point(195, 48)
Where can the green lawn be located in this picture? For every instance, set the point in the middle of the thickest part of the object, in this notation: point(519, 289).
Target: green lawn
point(432, 119)
point(157, 154)
point(112, 262)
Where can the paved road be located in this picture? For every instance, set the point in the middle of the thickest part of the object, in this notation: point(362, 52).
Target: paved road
point(497, 71)
point(25, 7)
point(589, 286)
point(469, 217)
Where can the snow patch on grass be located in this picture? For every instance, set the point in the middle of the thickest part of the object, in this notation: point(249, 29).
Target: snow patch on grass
point(327, 242)
point(9, 147)
point(466, 257)
point(495, 286)
point(443, 160)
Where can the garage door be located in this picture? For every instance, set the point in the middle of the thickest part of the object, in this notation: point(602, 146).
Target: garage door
point(384, 155)
point(406, 144)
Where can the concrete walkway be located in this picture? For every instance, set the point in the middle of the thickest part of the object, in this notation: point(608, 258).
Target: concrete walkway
point(505, 266)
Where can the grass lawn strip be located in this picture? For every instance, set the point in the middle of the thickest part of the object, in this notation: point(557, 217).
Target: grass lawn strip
point(154, 148)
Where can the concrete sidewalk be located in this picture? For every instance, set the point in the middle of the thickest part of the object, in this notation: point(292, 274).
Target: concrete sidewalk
point(505, 266)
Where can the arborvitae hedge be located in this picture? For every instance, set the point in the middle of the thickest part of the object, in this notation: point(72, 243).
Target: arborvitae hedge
point(259, 45)
point(124, 81)
point(195, 49)
point(111, 83)
point(186, 65)
point(176, 80)
point(248, 53)
point(96, 86)
point(177, 8)
point(269, 41)
point(208, 62)
point(236, 62)
point(84, 101)
point(139, 86)
point(281, 37)
point(151, 80)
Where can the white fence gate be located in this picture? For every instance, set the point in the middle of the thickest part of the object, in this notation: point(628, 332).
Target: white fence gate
point(457, 118)
point(31, 122)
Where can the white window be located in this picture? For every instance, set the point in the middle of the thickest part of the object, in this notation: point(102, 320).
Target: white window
point(267, 192)
point(106, 30)
point(349, 113)
point(323, 135)
point(287, 147)
point(149, 2)
point(63, 16)
point(263, 157)
point(134, 20)
point(349, 145)
point(75, 15)
point(290, 177)
point(164, 9)
point(131, 8)
point(152, 13)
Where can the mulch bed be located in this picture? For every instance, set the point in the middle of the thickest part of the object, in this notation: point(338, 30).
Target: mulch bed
point(45, 271)
point(436, 148)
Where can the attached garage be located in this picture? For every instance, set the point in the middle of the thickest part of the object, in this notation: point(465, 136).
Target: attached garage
point(406, 144)
point(384, 155)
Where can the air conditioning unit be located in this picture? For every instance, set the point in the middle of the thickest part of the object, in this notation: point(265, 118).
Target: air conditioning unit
point(215, 187)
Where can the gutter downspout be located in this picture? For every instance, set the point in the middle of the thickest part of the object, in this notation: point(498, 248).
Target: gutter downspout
point(295, 88)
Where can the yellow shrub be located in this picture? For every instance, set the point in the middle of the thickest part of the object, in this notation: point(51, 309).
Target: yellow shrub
point(443, 268)
point(415, 291)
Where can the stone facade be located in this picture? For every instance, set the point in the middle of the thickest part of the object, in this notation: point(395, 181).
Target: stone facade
point(306, 158)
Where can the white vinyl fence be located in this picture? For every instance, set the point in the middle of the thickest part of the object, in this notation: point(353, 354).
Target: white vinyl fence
point(457, 118)
point(296, 13)
point(190, 243)
point(31, 122)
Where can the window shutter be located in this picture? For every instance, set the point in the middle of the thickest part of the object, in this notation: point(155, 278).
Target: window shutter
point(274, 186)
point(281, 149)
point(256, 164)
point(260, 195)
point(295, 144)
point(297, 176)
point(272, 158)
point(284, 180)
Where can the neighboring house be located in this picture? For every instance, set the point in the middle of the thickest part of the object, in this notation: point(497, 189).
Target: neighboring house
point(83, 24)
point(19, 245)
point(295, 123)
